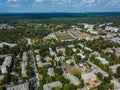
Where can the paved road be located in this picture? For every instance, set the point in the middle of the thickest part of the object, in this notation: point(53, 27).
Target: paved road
point(35, 79)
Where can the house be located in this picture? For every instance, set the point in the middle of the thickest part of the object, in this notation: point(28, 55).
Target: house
point(38, 57)
point(110, 35)
point(23, 86)
point(24, 57)
point(50, 71)
point(95, 53)
point(74, 49)
point(71, 46)
point(40, 64)
point(23, 68)
point(3, 69)
point(7, 63)
point(114, 68)
point(29, 41)
point(89, 49)
point(8, 44)
point(70, 61)
point(102, 60)
point(81, 55)
point(116, 40)
point(73, 79)
point(111, 29)
point(60, 48)
point(1, 77)
point(89, 77)
point(117, 52)
point(52, 85)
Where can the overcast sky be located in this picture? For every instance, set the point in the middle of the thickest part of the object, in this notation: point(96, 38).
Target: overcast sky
point(59, 6)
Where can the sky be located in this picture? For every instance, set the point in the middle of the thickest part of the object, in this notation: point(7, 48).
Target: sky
point(51, 6)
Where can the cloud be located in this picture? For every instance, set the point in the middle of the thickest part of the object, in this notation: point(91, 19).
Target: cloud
point(112, 3)
point(13, 0)
point(38, 0)
point(88, 1)
point(14, 5)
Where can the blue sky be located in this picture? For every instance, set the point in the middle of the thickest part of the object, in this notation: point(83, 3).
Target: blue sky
point(59, 6)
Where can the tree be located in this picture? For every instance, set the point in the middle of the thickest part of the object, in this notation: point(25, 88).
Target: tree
point(48, 79)
point(107, 79)
point(100, 76)
point(57, 88)
point(92, 88)
point(112, 86)
point(78, 74)
point(69, 87)
point(118, 70)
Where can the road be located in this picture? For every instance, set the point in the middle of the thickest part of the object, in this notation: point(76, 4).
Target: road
point(35, 77)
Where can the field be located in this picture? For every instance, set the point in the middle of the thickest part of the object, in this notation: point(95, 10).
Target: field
point(63, 36)
point(80, 35)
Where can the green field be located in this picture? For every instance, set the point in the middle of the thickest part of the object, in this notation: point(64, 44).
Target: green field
point(63, 36)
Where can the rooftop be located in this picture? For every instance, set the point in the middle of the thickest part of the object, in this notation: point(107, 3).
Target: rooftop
point(50, 86)
point(24, 86)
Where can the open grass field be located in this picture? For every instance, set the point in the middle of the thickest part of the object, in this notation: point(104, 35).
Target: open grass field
point(63, 36)
point(81, 35)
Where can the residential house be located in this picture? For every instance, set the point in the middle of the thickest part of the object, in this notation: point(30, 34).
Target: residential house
point(89, 77)
point(60, 48)
point(23, 86)
point(50, 71)
point(7, 63)
point(50, 86)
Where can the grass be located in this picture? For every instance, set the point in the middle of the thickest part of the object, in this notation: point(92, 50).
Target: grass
point(63, 36)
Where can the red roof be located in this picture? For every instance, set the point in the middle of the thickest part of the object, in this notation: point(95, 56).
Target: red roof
point(60, 47)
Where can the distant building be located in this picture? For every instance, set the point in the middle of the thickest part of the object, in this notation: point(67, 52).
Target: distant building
point(38, 57)
point(24, 57)
point(102, 60)
point(114, 68)
point(116, 40)
point(60, 48)
point(24, 86)
point(111, 29)
point(8, 44)
point(50, 71)
point(95, 53)
point(81, 55)
point(23, 68)
point(1, 77)
point(89, 77)
point(52, 85)
point(7, 63)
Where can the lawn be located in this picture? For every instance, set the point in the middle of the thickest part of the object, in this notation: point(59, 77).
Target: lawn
point(63, 36)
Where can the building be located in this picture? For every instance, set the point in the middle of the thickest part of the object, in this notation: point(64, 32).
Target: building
point(38, 58)
point(1, 77)
point(24, 86)
point(24, 57)
point(50, 71)
point(81, 55)
point(60, 48)
point(8, 44)
point(89, 77)
point(23, 68)
point(111, 29)
point(102, 60)
point(52, 85)
point(114, 68)
point(73, 79)
point(7, 63)
point(116, 40)
point(95, 53)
